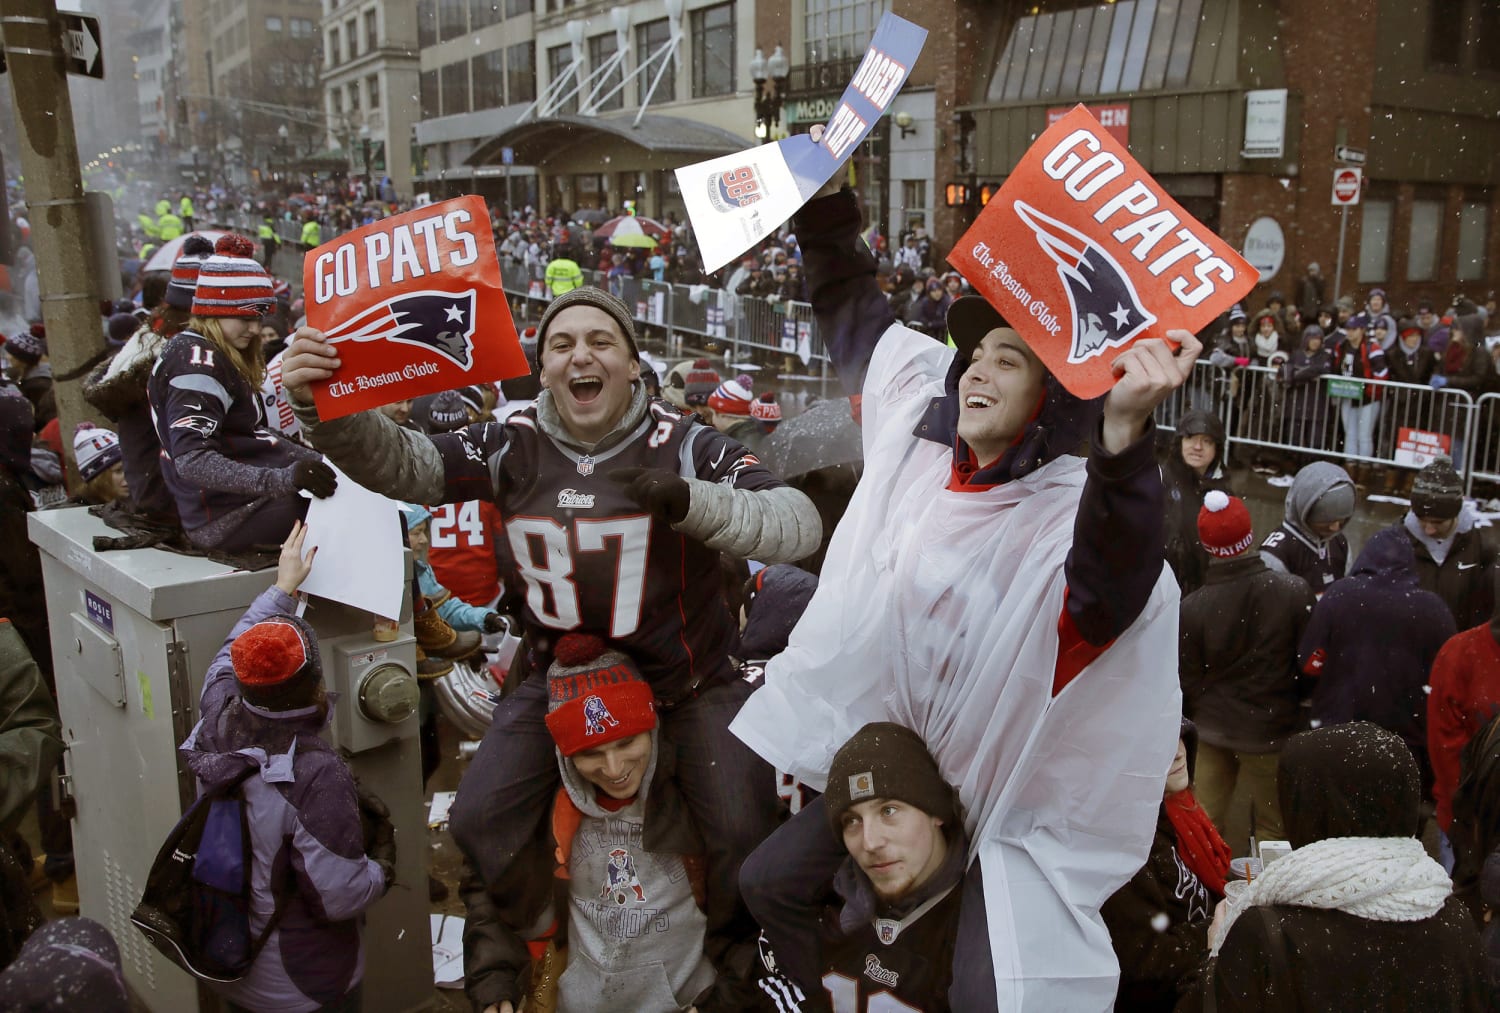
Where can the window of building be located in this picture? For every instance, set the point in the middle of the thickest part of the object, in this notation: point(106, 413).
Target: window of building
point(648, 39)
point(455, 82)
point(351, 37)
point(1375, 240)
point(302, 28)
point(1426, 240)
point(1076, 52)
point(488, 73)
point(560, 65)
point(1473, 236)
point(1463, 35)
point(372, 32)
point(453, 19)
point(601, 48)
point(483, 12)
point(713, 51)
point(273, 24)
point(515, 8)
point(372, 88)
point(839, 29)
point(426, 23)
point(520, 73)
point(913, 203)
point(427, 88)
point(332, 45)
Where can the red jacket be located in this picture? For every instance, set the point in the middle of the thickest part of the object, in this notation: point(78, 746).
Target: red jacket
point(463, 549)
point(1465, 685)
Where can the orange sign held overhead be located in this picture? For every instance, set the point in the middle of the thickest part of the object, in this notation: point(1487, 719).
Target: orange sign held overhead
point(1084, 254)
point(415, 306)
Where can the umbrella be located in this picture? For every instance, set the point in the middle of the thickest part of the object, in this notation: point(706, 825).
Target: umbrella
point(824, 436)
point(164, 258)
point(628, 233)
point(634, 225)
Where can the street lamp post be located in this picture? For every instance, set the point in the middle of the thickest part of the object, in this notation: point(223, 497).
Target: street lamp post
point(364, 144)
point(283, 135)
point(770, 77)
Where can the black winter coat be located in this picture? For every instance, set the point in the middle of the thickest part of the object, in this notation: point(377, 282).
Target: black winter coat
point(1185, 490)
point(1411, 367)
point(1430, 966)
point(1371, 643)
point(1466, 580)
point(1237, 654)
point(1156, 959)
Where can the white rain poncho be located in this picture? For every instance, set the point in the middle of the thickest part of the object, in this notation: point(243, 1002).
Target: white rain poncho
point(939, 610)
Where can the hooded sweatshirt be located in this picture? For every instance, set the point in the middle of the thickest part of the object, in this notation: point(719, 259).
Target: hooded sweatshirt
point(1371, 642)
point(1293, 547)
point(635, 931)
point(1185, 489)
point(1366, 919)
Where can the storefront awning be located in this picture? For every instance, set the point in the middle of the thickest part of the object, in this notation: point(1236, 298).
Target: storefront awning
point(541, 142)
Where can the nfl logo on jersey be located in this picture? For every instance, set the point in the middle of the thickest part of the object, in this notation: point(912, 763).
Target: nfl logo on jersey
point(585, 465)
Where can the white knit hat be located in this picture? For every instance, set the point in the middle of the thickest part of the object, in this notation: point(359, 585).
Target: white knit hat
point(96, 450)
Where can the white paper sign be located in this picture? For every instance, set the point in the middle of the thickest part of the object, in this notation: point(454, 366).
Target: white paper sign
point(358, 536)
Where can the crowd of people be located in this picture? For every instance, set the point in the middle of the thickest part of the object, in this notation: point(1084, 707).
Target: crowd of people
point(954, 768)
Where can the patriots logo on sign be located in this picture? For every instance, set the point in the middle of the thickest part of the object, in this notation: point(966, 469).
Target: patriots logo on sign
point(1107, 313)
point(441, 322)
point(596, 716)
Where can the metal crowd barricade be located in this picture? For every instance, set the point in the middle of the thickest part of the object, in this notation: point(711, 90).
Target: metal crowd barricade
point(1484, 449)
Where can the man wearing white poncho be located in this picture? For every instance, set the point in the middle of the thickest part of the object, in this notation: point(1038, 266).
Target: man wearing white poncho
point(1008, 602)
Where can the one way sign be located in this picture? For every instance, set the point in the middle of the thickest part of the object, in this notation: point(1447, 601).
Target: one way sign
point(81, 44)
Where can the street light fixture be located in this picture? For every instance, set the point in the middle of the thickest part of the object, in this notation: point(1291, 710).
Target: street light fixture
point(770, 77)
point(364, 143)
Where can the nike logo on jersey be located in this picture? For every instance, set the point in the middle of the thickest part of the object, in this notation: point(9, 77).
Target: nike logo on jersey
point(572, 499)
point(1467, 566)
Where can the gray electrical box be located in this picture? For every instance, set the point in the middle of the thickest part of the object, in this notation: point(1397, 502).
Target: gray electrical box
point(133, 632)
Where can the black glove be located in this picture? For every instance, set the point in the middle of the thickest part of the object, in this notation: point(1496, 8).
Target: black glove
point(494, 622)
point(316, 477)
point(660, 491)
point(378, 830)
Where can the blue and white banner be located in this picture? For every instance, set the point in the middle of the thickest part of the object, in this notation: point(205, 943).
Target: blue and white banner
point(735, 201)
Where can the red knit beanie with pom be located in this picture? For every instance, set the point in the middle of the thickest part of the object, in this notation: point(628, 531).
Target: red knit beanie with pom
point(595, 695)
point(231, 283)
point(1224, 525)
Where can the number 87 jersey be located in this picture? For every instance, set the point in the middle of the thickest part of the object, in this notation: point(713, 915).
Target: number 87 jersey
point(591, 559)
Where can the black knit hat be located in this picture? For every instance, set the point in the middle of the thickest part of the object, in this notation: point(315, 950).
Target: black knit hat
point(599, 299)
point(1438, 491)
point(17, 422)
point(885, 760)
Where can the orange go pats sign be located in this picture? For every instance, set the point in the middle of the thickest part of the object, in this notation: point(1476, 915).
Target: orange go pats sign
point(1085, 254)
point(414, 305)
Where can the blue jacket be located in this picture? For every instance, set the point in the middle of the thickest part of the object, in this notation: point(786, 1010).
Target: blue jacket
point(304, 829)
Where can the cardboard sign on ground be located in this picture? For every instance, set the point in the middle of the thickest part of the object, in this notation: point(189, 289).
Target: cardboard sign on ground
point(1084, 254)
point(414, 306)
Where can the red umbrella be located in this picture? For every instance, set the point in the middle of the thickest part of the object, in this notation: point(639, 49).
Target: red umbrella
point(650, 226)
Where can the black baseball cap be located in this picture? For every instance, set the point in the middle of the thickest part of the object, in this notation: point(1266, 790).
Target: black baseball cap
point(970, 318)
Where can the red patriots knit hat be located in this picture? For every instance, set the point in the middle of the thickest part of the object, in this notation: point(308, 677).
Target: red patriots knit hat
point(231, 283)
point(766, 408)
point(595, 695)
point(1224, 525)
point(195, 250)
point(733, 396)
point(276, 663)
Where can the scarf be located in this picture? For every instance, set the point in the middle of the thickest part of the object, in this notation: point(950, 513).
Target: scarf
point(1198, 840)
point(1384, 879)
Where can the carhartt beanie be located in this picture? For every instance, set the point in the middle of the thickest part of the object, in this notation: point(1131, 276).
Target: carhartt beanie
point(276, 663)
point(595, 695)
point(1224, 525)
point(1437, 491)
point(195, 250)
point(887, 761)
point(599, 299)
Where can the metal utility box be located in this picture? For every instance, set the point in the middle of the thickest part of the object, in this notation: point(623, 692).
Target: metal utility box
point(133, 633)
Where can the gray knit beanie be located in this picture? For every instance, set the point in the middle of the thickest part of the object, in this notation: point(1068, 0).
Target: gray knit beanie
point(599, 299)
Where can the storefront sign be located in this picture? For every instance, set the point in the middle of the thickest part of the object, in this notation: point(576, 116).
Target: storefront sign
point(811, 110)
point(1265, 123)
point(1114, 117)
point(1417, 449)
point(1265, 247)
point(1085, 254)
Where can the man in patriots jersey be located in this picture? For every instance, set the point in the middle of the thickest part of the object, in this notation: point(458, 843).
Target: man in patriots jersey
point(615, 511)
point(890, 915)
